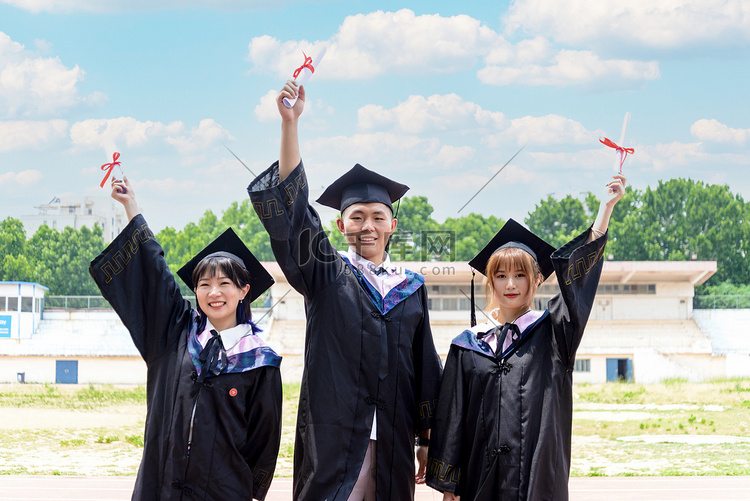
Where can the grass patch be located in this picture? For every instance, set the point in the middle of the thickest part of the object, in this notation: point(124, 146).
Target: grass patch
point(136, 440)
point(108, 439)
point(70, 396)
point(602, 413)
point(75, 442)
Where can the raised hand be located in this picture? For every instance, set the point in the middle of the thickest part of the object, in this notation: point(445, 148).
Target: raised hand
point(615, 190)
point(123, 192)
point(290, 91)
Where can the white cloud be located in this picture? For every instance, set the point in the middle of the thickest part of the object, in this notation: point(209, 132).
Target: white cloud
point(713, 130)
point(665, 24)
point(549, 129)
point(377, 147)
point(566, 67)
point(24, 178)
point(436, 113)
point(368, 45)
point(665, 156)
point(112, 134)
point(32, 86)
point(513, 174)
point(206, 135)
point(17, 135)
point(266, 110)
point(452, 155)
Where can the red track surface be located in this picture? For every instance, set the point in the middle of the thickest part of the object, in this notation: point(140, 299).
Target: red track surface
point(17, 487)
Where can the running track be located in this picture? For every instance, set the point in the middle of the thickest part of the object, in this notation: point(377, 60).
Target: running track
point(40, 488)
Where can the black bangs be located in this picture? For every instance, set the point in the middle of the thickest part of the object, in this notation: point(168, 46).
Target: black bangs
point(216, 265)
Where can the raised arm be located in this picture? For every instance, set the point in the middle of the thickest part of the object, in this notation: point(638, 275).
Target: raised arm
point(289, 156)
point(134, 277)
point(614, 192)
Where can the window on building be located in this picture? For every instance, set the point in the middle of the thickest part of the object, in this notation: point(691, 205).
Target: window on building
point(12, 304)
point(3, 305)
point(71, 210)
point(37, 305)
point(582, 365)
point(454, 297)
point(27, 304)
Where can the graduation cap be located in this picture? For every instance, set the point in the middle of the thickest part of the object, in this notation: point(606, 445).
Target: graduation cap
point(229, 245)
point(360, 185)
point(512, 235)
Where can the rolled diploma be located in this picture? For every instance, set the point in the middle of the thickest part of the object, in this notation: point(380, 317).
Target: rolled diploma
point(621, 143)
point(304, 76)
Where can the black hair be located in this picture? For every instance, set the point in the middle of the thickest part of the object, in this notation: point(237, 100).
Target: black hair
point(212, 266)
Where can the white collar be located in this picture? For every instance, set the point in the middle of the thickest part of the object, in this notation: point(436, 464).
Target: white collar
point(231, 337)
point(363, 264)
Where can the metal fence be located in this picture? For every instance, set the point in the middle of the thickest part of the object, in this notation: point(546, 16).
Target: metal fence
point(717, 302)
point(99, 303)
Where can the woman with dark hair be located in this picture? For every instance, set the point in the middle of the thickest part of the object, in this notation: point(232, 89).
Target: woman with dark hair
point(213, 421)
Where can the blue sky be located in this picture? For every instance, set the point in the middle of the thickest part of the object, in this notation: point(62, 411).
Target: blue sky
point(438, 95)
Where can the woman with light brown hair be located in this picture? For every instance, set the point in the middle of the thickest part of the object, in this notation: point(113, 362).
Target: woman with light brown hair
point(502, 428)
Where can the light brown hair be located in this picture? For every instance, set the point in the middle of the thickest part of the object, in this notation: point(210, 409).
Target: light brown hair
point(511, 259)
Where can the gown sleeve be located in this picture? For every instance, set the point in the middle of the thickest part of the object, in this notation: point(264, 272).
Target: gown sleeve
point(578, 266)
point(264, 436)
point(447, 435)
point(135, 279)
point(428, 369)
point(298, 240)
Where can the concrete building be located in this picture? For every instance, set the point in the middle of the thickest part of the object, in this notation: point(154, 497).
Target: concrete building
point(78, 212)
point(21, 305)
point(643, 328)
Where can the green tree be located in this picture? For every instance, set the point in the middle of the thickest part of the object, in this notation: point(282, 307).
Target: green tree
point(471, 232)
point(415, 223)
point(684, 219)
point(558, 221)
point(12, 245)
point(63, 258)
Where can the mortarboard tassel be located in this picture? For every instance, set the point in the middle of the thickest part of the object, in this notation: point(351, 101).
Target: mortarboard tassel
point(473, 310)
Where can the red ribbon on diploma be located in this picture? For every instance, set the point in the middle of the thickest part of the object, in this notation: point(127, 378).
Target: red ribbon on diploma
point(623, 151)
point(306, 64)
point(109, 167)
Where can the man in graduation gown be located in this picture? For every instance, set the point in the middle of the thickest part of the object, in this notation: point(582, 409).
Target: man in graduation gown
point(216, 439)
point(371, 372)
point(502, 430)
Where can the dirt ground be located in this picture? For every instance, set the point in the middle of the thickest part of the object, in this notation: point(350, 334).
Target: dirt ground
point(609, 439)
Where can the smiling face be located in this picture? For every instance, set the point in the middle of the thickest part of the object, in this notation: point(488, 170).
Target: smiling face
point(218, 292)
point(367, 227)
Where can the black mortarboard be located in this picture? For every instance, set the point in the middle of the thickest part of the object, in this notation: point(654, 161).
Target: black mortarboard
point(229, 245)
point(360, 185)
point(513, 235)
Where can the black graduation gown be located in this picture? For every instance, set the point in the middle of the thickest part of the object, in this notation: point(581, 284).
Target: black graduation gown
point(344, 381)
point(502, 428)
point(237, 425)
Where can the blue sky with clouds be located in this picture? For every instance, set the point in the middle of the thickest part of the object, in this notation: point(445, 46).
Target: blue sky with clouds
point(438, 95)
